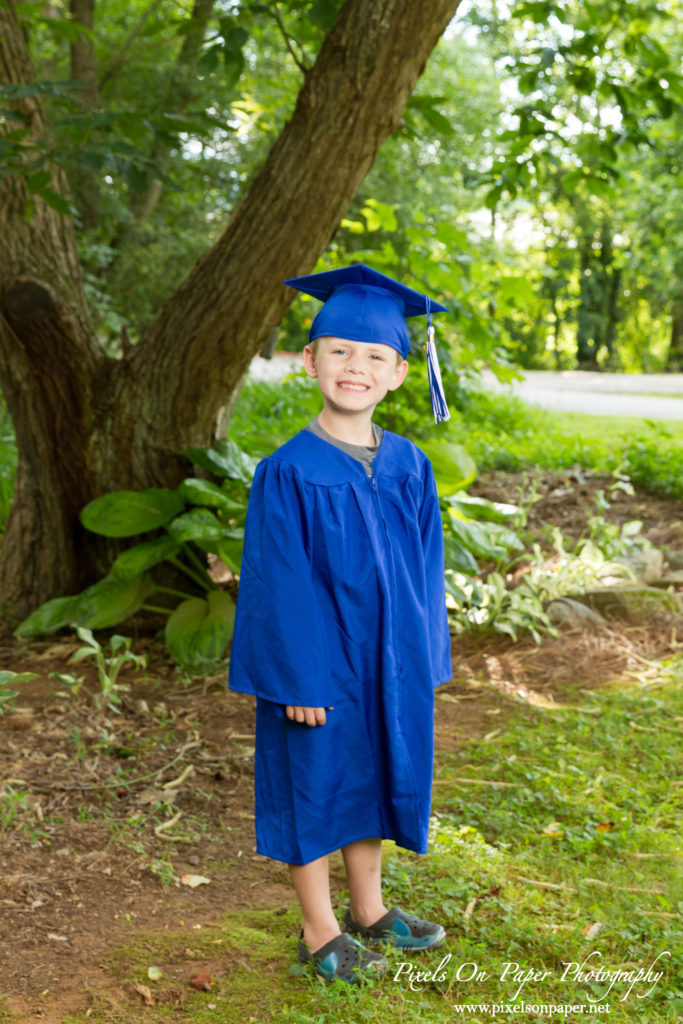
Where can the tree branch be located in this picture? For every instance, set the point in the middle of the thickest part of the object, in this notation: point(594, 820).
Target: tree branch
point(196, 352)
point(299, 61)
point(119, 60)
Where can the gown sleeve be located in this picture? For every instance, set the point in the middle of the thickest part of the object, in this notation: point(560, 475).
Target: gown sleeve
point(279, 649)
point(431, 529)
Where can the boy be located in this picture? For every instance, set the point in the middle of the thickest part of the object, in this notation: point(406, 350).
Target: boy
point(341, 629)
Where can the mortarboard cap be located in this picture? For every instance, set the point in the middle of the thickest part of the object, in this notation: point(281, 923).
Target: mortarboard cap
point(363, 305)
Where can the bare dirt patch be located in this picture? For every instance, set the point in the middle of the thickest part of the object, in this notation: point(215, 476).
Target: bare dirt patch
point(104, 813)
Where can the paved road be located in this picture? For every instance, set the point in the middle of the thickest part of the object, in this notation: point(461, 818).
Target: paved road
point(650, 396)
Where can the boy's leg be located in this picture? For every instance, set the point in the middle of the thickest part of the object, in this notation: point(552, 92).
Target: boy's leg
point(312, 886)
point(363, 862)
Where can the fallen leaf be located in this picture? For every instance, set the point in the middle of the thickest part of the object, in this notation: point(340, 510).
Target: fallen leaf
point(469, 909)
point(157, 796)
point(553, 830)
point(202, 982)
point(154, 973)
point(144, 992)
point(194, 880)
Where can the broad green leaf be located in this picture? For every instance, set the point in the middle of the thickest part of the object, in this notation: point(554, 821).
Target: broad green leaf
point(204, 492)
point(111, 601)
point(52, 615)
point(500, 534)
point(126, 513)
point(199, 525)
point(230, 550)
point(482, 508)
point(456, 592)
point(458, 558)
point(475, 537)
point(199, 631)
point(453, 467)
point(142, 557)
point(224, 459)
point(17, 677)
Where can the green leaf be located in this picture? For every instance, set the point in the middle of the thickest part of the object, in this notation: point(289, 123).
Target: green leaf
point(52, 615)
point(142, 557)
point(324, 13)
point(453, 467)
point(198, 525)
point(379, 216)
point(234, 37)
point(224, 459)
point(36, 182)
point(204, 492)
point(517, 289)
point(230, 550)
point(500, 534)
point(125, 513)
point(482, 508)
point(199, 631)
point(457, 557)
point(111, 601)
point(456, 592)
point(475, 538)
point(17, 677)
point(233, 65)
point(57, 202)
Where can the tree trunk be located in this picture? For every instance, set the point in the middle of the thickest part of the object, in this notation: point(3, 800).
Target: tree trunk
point(675, 355)
point(87, 424)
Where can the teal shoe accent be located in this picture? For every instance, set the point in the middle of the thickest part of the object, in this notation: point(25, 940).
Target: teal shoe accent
point(400, 929)
point(342, 959)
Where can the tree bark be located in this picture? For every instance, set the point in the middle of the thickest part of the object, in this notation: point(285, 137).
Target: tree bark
point(675, 355)
point(87, 424)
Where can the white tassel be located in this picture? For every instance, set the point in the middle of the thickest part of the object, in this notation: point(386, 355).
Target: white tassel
point(439, 406)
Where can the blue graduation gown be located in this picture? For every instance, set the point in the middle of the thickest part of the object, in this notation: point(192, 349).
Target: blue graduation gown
point(342, 604)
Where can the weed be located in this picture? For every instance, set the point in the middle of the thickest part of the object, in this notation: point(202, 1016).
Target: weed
point(70, 680)
point(13, 802)
point(108, 668)
point(7, 680)
point(163, 869)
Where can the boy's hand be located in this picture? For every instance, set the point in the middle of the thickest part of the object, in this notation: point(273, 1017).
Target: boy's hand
point(309, 716)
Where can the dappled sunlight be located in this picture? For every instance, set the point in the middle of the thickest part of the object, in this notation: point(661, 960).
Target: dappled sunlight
point(514, 689)
point(617, 655)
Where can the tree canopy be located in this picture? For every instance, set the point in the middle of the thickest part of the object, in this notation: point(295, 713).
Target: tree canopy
point(166, 166)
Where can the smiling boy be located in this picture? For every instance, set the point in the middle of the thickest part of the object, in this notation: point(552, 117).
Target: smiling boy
point(341, 630)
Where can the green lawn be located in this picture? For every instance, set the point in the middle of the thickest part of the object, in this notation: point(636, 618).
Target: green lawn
point(553, 854)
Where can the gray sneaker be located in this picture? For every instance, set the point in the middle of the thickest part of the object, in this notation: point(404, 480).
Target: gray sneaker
point(342, 959)
point(405, 931)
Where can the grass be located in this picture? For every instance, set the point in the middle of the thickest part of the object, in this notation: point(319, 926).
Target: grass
point(499, 431)
point(502, 432)
point(554, 843)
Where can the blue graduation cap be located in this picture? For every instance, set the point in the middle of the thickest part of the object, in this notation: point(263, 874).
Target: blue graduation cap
point(360, 304)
